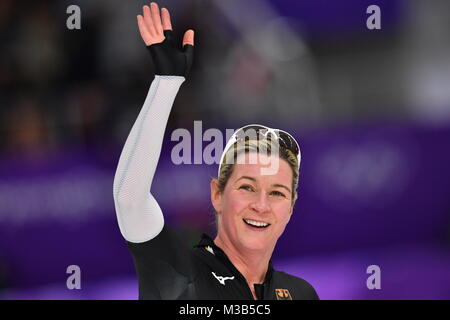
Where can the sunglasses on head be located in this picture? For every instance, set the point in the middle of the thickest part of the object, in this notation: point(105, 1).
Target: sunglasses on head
point(255, 131)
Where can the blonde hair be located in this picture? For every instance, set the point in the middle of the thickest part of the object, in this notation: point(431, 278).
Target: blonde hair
point(264, 146)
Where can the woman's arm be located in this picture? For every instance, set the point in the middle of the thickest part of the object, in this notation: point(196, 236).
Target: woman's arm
point(138, 213)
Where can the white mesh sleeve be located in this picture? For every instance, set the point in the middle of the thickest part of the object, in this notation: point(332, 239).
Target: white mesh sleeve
point(138, 214)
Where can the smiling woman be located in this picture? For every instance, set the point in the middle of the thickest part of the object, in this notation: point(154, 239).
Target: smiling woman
point(253, 196)
point(253, 210)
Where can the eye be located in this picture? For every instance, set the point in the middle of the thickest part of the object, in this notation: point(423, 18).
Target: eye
point(278, 194)
point(246, 187)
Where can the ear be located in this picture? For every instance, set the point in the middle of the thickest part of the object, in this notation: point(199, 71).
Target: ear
point(216, 195)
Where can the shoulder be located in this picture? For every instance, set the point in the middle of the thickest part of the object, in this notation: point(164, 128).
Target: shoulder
point(299, 288)
point(167, 247)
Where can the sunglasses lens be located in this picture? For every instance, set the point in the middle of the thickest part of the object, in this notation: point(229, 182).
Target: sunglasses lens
point(289, 142)
point(250, 133)
point(254, 132)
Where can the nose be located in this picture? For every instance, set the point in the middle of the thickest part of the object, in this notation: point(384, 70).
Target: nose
point(261, 204)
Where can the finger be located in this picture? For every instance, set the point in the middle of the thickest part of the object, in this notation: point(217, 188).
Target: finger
point(148, 21)
point(156, 17)
point(188, 37)
point(143, 30)
point(165, 16)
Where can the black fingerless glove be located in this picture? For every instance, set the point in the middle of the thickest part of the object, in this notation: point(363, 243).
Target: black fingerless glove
point(169, 59)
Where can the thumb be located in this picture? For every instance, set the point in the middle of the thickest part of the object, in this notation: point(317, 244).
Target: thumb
point(188, 37)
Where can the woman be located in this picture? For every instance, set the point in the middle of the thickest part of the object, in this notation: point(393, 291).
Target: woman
point(252, 204)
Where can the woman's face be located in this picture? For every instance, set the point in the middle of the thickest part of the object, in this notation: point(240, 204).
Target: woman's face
point(250, 198)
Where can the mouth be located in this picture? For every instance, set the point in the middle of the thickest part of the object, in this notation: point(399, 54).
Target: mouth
point(256, 224)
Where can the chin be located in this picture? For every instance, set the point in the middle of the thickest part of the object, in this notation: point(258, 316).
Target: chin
point(253, 243)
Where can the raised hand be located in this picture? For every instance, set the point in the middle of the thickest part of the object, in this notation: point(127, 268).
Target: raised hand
point(156, 32)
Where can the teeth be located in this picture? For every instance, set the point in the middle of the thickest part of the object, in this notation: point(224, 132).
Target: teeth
point(256, 223)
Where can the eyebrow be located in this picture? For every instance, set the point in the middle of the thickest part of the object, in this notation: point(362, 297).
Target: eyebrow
point(274, 185)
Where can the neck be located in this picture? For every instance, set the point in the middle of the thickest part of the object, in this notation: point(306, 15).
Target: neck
point(252, 264)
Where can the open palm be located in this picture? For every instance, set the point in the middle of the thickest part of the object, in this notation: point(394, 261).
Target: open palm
point(153, 23)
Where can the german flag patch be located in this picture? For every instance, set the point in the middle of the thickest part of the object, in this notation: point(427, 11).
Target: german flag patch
point(283, 294)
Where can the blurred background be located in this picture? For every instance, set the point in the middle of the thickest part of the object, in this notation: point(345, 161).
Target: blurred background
point(370, 108)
